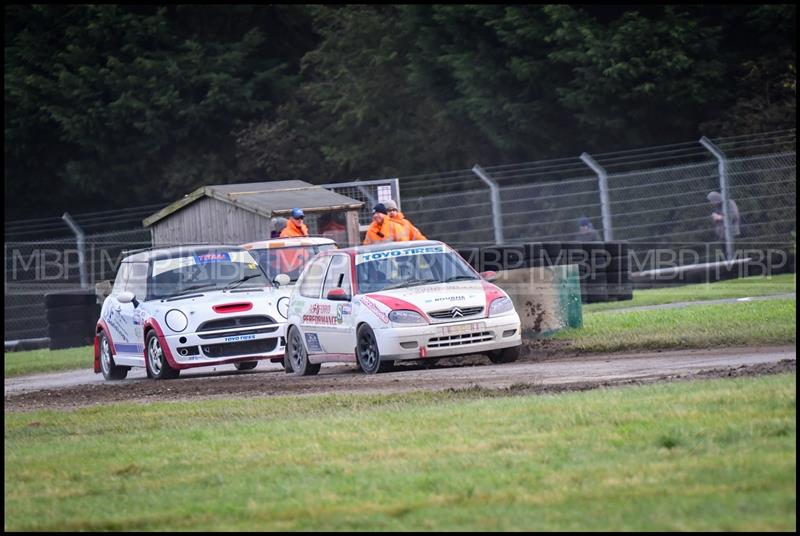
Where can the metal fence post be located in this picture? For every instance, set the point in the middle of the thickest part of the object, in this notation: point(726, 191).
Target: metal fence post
point(395, 184)
point(79, 238)
point(723, 187)
point(605, 204)
point(497, 214)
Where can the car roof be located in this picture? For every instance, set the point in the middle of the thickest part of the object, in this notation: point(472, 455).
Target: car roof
point(289, 242)
point(176, 251)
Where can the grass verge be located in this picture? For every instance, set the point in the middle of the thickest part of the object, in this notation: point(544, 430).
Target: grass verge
point(698, 326)
point(734, 288)
point(715, 455)
point(44, 360)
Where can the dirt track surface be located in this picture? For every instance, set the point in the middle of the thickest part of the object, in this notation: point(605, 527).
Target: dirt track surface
point(543, 371)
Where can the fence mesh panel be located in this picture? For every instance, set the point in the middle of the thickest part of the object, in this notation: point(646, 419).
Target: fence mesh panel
point(657, 200)
point(33, 269)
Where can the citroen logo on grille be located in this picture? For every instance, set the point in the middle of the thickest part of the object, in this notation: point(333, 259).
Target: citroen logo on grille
point(456, 312)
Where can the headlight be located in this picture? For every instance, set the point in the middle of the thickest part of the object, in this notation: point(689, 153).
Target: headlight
point(406, 317)
point(176, 320)
point(283, 307)
point(501, 306)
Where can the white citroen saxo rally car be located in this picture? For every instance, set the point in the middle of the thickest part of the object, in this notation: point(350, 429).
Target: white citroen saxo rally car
point(189, 306)
point(396, 301)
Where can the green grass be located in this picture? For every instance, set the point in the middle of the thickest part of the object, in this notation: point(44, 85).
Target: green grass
point(698, 326)
point(715, 455)
point(734, 288)
point(38, 361)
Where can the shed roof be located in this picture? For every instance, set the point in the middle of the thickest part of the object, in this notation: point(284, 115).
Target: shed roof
point(274, 198)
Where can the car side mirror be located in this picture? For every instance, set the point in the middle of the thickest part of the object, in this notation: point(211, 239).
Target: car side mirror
point(489, 275)
point(338, 294)
point(128, 297)
point(282, 280)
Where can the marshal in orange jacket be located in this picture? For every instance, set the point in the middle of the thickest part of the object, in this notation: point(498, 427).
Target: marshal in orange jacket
point(386, 231)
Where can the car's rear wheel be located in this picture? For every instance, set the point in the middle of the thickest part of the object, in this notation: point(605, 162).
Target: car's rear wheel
point(111, 371)
point(367, 355)
point(156, 362)
point(246, 365)
point(298, 356)
point(506, 355)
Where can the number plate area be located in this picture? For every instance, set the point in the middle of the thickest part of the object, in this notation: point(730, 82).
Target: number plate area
point(459, 329)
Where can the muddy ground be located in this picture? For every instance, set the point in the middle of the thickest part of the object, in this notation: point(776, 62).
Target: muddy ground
point(544, 369)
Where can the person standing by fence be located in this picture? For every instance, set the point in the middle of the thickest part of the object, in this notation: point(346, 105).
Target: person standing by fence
point(412, 233)
point(587, 232)
point(382, 228)
point(717, 216)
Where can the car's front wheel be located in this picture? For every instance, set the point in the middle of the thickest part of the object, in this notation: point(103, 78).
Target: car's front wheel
point(111, 371)
point(246, 365)
point(367, 355)
point(506, 355)
point(156, 362)
point(297, 356)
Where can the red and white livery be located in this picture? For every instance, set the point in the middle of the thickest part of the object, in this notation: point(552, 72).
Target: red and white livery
point(191, 306)
point(377, 304)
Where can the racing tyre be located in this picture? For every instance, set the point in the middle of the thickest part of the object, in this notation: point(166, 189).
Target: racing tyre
point(367, 355)
point(506, 355)
point(110, 370)
point(246, 365)
point(297, 355)
point(156, 363)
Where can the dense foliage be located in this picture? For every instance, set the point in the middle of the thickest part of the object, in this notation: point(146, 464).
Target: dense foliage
point(110, 106)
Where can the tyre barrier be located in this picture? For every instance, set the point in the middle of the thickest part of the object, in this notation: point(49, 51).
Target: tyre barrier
point(71, 318)
point(603, 267)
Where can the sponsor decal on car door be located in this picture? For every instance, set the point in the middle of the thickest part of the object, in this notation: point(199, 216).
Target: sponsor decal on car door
point(312, 310)
point(337, 335)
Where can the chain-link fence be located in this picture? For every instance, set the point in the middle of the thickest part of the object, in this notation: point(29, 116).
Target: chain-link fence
point(370, 192)
point(656, 199)
point(33, 269)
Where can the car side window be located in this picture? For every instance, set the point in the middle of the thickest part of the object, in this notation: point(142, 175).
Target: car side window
point(338, 275)
point(311, 283)
point(122, 278)
point(137, 279)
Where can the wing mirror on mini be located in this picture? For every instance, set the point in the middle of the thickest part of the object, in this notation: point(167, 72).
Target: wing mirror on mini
point(338, 294)
point(489, 275)
point(282, 280)
point(128, 297)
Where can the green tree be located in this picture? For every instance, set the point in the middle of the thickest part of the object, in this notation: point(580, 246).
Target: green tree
point(124, 105)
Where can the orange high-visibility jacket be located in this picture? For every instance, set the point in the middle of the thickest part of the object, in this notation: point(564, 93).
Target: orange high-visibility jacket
point(412, 233)
point(292, 229)
point(388, 231)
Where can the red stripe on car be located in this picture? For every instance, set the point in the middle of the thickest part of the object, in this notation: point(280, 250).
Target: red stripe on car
point(397, 304)
point(492, 293)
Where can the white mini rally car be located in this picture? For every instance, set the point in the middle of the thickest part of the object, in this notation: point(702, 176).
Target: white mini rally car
point(396, 301)
point(189, 306)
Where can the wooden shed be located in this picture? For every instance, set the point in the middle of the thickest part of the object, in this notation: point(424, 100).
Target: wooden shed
point(239, 213)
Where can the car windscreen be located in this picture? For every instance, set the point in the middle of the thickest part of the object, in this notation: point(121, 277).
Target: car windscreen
point(204, 271)
point(287, 260)
point(405, 267)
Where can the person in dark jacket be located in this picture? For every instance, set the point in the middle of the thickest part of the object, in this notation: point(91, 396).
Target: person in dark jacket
point(715, 198)
point(587, 232)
